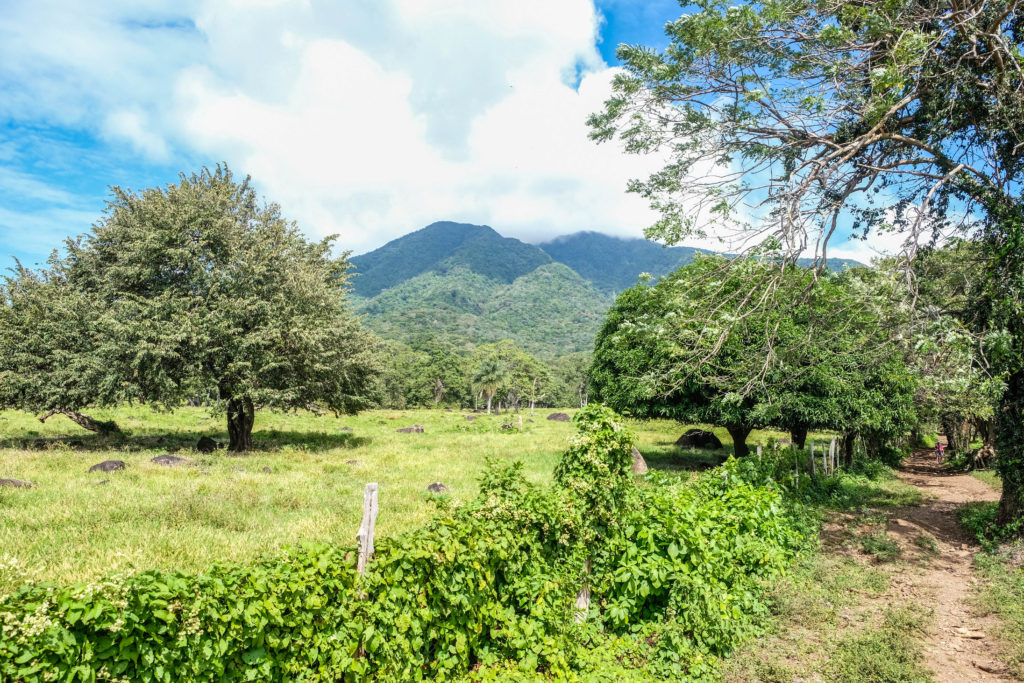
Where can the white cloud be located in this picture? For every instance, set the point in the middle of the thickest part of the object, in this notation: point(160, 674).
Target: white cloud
point(365, 119)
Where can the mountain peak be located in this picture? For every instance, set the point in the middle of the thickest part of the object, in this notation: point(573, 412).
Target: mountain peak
point(441, 246)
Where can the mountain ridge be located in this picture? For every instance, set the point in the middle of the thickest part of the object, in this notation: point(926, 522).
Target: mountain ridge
point(467, 284)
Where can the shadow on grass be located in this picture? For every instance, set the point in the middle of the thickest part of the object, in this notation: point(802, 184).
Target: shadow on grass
point(270, 440)
point(670, 458)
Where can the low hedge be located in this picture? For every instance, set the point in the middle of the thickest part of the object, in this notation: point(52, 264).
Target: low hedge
point(490, 582)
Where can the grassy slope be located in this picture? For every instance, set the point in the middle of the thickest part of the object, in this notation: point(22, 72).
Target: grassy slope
point(70, 527)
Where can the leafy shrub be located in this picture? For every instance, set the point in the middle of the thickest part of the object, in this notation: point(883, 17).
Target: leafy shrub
point(490, 583)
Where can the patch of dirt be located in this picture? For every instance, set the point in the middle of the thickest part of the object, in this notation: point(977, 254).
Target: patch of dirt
point(959, 647)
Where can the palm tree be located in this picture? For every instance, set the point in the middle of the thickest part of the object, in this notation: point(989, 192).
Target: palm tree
point(489, 376)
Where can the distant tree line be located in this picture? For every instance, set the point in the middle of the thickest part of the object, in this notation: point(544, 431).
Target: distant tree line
point(429, 372)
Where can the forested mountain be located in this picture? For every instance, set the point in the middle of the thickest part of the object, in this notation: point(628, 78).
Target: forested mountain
point(440, 247)
point(468, 285)
point(550, 311)
point(612, 264)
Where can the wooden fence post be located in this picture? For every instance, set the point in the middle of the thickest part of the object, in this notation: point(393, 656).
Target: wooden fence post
point(583, 597)
point(365, 535)
point(832, 454)
point(814, 468)
point(758, 452)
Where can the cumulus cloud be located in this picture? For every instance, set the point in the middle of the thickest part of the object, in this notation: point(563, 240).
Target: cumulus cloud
point(364, 119)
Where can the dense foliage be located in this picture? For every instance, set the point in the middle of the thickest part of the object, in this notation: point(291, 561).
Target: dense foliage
point(490, 582)
point(196, 291)
point(687, 348)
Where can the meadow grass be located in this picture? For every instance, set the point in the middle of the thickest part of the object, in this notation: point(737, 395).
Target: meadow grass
point(76, 526)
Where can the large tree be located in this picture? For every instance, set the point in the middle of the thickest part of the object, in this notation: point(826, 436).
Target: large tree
point(810, 117)
point(198, 289)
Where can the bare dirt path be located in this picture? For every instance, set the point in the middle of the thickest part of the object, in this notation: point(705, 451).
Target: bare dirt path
point(959, 647)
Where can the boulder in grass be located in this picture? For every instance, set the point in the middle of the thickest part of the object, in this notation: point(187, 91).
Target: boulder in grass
point(168, 460)
point(559, 417)
point(108, 466)
point(437, 487)
point(346, 429)
point(639, 464)
point(471, 417)
point(16, 483)
point(266, 470)
point(207, 445)
point(411, 429)
point(699, 438)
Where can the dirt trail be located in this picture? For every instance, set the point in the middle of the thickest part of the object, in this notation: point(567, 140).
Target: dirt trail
point(959, 647)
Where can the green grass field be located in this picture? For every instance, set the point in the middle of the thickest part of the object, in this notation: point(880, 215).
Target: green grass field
point(73, 527)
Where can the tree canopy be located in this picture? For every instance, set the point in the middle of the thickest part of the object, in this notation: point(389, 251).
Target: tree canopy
point(796, 362)
point(192, 291)
point(801, 120)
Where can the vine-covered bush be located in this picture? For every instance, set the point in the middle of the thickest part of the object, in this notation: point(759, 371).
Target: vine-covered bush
point(489, 583)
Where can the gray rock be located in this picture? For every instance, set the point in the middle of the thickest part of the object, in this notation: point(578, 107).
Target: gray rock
point(169, 460)
point(266, 470)
point(108, 466)
point(698, 438)
point(16, 483)
point(639, 464)
point(351, 462)
point(412, 429)
point(346, 429)
point(437, 487)
point(207, 445)
point(559, 417)
point(471, 417)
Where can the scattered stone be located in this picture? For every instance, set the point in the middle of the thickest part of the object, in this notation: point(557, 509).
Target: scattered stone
point(108, 466)
point(699, 438)
point(351, 462)
point(170, 460)
point(529, 420)
point(346, 429)
point(990, 667)
point(207, 445)
point(412, 429)
point(966, 633)
point(437, 487)
point(16, 483)
point(559, 417)
point(265, 470)
point(639, 464)
point(471, 417)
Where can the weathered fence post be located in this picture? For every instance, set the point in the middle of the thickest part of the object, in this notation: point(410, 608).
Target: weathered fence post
point(796, 465)
point(520, 422)
point(583, 597)
point(814, 468)
point(759, 453)
point(365, 535)
point(832, 455)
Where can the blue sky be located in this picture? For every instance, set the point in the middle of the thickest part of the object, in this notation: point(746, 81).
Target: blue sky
point(365, 119)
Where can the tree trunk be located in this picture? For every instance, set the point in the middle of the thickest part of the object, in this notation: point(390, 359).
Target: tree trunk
point(798, 435)
point(1010, 450)
point(241, 415)
point(101, 427)
point(489, 397)
point(986, 430)
point(849, 439)
point(739, 440)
